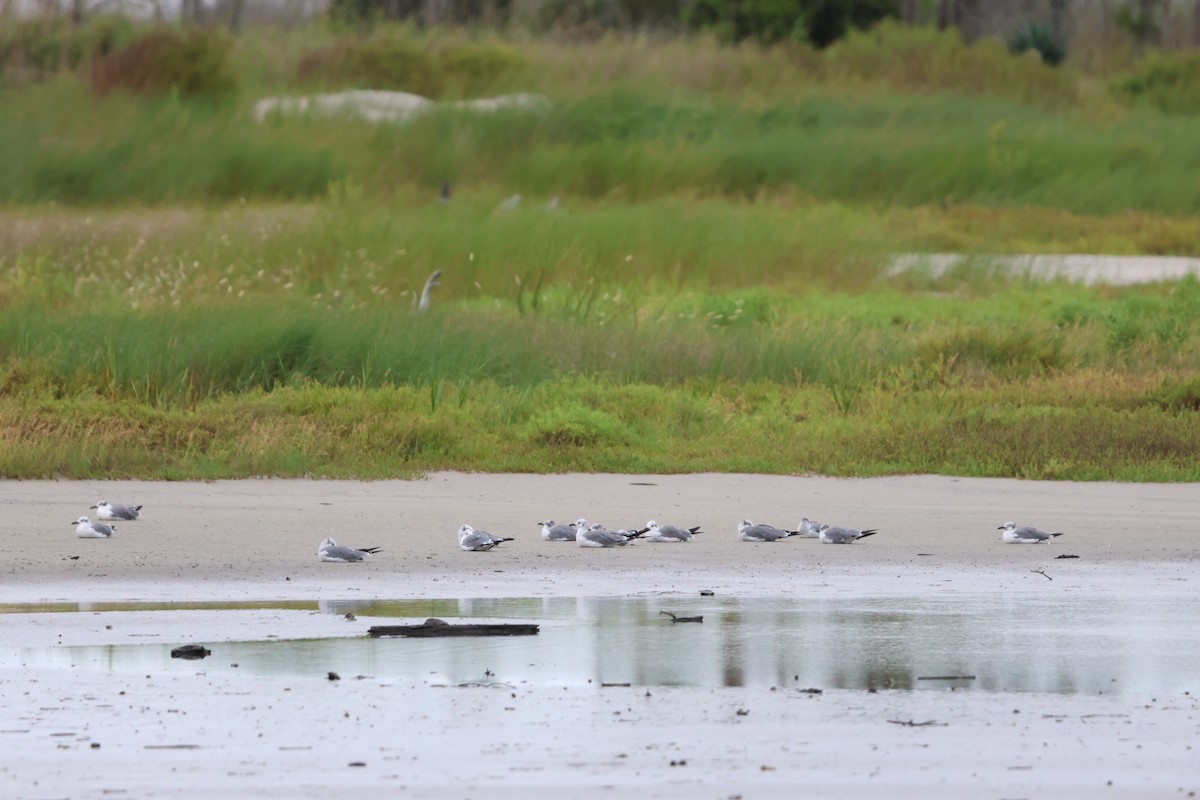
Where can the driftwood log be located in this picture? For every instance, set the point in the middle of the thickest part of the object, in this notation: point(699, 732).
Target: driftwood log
point(192, 651)
point(439, 627)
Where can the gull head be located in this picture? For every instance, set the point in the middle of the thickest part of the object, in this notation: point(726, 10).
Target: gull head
point(83, 521)
point(1008, 526)
point(651, 525)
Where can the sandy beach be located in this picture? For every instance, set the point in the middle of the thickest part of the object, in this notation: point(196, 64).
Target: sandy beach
point(118, 731)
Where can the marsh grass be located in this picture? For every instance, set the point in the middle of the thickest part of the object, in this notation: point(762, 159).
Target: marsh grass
point(711, 292)
point(893, 117)
point(573, 425)
point(178, 308)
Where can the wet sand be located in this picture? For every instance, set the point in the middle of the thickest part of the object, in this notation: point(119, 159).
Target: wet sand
point(166, 735)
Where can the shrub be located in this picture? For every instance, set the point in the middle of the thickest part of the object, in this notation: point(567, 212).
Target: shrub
point(921, 58)
point(1041, 40)
point(383, 62)
point(35, 48)
point(581, 17)
point(195, 64)
point(575, 424)
point(1140, 23)
point(1169, 82)
point(820, 22)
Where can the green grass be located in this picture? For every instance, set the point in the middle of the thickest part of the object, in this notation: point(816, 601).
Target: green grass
point(185, 293)
point(573, 425)
point(894, 118)
point(666, 337)
point(625, 145)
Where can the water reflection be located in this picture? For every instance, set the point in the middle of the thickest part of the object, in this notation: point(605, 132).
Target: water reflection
point(1080, 644)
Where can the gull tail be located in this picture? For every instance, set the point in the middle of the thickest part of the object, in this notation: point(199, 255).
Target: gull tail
point(870, 532)
point(1055, 534)
point(695, 530)
point(369, 549)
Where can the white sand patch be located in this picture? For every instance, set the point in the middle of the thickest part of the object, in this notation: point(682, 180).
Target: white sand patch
point(1076, 268)
point(386, 106)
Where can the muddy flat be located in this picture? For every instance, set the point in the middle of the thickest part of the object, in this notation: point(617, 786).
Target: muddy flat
point(92, 705)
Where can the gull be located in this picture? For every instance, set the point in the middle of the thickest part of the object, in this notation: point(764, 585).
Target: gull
point(477, 541)
point(669, 533)
point(107, 510)
point(749, 532)
point(1023, 535)
point(560, 533)
point(86, 529)
point(329, 550)
point(510, 203)
point(835, 535)
point(810, 528)
point(599, 536)
point(430, 282)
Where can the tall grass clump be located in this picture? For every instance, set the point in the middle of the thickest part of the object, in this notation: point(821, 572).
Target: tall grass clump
point(397, 60)
point(908, 58)
point(1167, 82)
point(192, 64)
point(153, 151)
point(36, 48)
point(848, 345)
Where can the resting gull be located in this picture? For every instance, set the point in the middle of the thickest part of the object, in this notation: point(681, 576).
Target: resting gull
point(477, 541)
point(599, 536)
point(107, 510)
point(553, 532)
point(86, 529)
point(832, 534)
point(669, 533)
point(810, 528)
point(1024, 534)
point(749, 532)
point(329, 550)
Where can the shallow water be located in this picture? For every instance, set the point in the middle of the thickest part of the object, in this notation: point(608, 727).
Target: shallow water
point(1091, 644)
